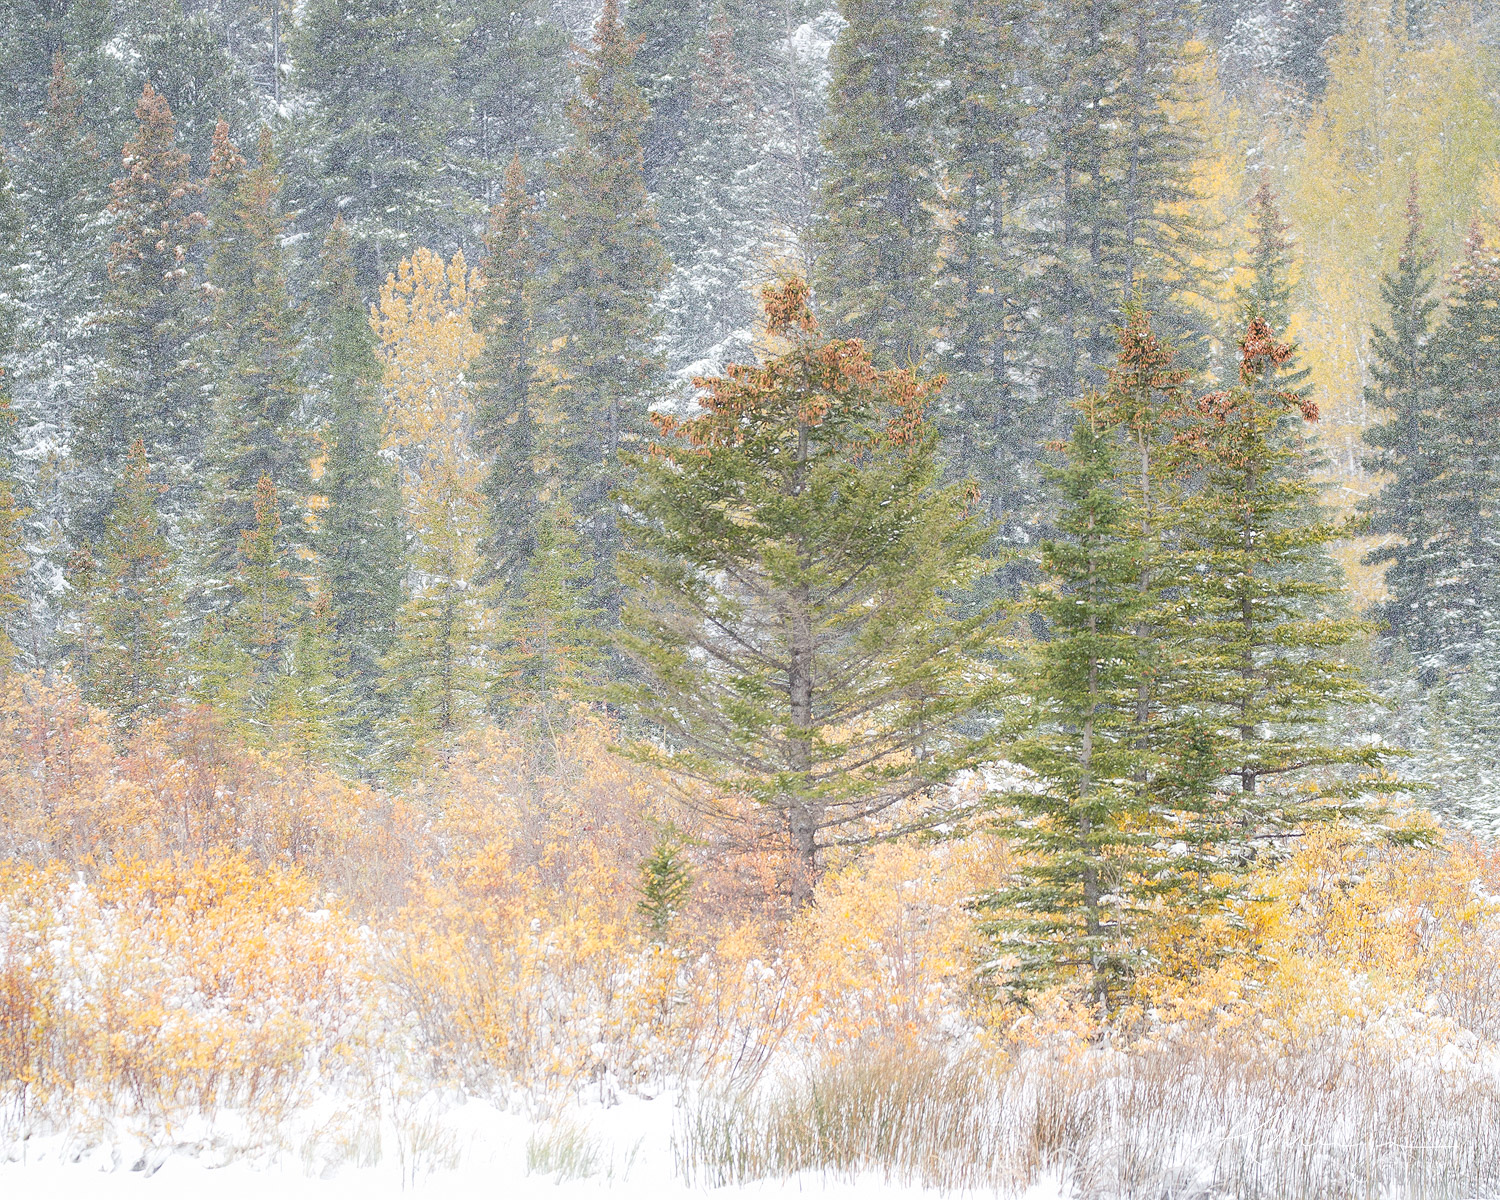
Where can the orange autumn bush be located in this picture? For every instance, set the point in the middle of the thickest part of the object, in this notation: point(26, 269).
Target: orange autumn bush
point(161, 988)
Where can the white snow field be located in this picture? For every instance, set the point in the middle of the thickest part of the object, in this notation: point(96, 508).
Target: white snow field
point(471, 1150)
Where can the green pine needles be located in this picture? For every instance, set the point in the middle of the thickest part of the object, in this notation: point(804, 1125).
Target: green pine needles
point(792, 557)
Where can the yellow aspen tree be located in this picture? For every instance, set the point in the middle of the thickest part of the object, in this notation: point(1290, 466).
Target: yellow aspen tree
point(435, 673)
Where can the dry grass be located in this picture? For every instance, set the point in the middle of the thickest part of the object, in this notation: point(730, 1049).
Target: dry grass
point(1167, 1121)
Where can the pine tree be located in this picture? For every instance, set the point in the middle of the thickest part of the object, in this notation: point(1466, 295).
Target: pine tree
point(1269, 662)
point(993, 415)
point(1461, 558)
point(132, 609)
point(309, 709)
point(358, 536)
point(148, 386)
point(256, 359)
point(600, 292)
point(377, 75)
point(1077, 910)
point(551, 651)
point(505, 426)
point(14, 560)
point(791, 555)
point(877, 237)
point(1405, 381)
point(665, 34)
point(717, 206)
point(1116, 171)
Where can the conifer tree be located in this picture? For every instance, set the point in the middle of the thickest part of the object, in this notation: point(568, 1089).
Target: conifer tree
point(992, 415)
point(1267, 638)
point(505, 421)
point(508, 77)
point(665, 34)
point(64, 199)
point(717, 205)
point(132, 609)
point(877, 237)
point(1267, 292)
point(358, 537)
point(791, 555)
point(377, 74)
point(601, 290)
point(263, 617)
point(1078, 907)
point(1405, 385)
point(255, 364)
point(1461, 559)
point(309, 711)
point(14, 561)
point(550, 647)
point(1116, 178)
point(149, 384)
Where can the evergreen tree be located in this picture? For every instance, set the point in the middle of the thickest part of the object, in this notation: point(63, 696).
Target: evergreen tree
point(132, 609)
point(1269, 662)
point(1461, 556)
point(508, 81)
point(1267, 292)
point(1116, 178)
point(358, 536)
point(1078, 907)
point(1405, 382)
point(790, 555)
point(257, 393)
point(263, 622)
point(993, 414)
point(665, 34)
point(717, 207)
point(149, 383)
point(550, 649)
point(377, 74)
point(600, 292)
point(64, 198)
point(505, 426)
point(877, 237)
point(309, 710)
point(14, 560)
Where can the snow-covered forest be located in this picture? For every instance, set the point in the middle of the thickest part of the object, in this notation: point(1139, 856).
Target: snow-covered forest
point(693, 595)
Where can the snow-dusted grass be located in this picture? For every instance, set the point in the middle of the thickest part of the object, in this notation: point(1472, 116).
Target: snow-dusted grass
point(1345, 1118)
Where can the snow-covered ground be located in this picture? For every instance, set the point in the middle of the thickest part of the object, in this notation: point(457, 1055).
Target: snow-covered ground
point(469, 1149)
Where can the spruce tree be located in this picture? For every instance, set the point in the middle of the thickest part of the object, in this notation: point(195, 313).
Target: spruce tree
point(1404, 385)
point(877, 237)
point(255, 365)
point(508, 80)
point(1461, 560)
point(1269, 646)
point(600, 292)
point(1116, 172)
point(377, 78)
point(358, 535)
point(505, 426)
point(665, 34)
point(550, 649)
point(1077, 909)
point(64, 197)
point(993, 416)
point(132, 608)
point(15, 563)
point(717, 207)
point(1267, 292)
point(149, 383)
point(791, 555)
